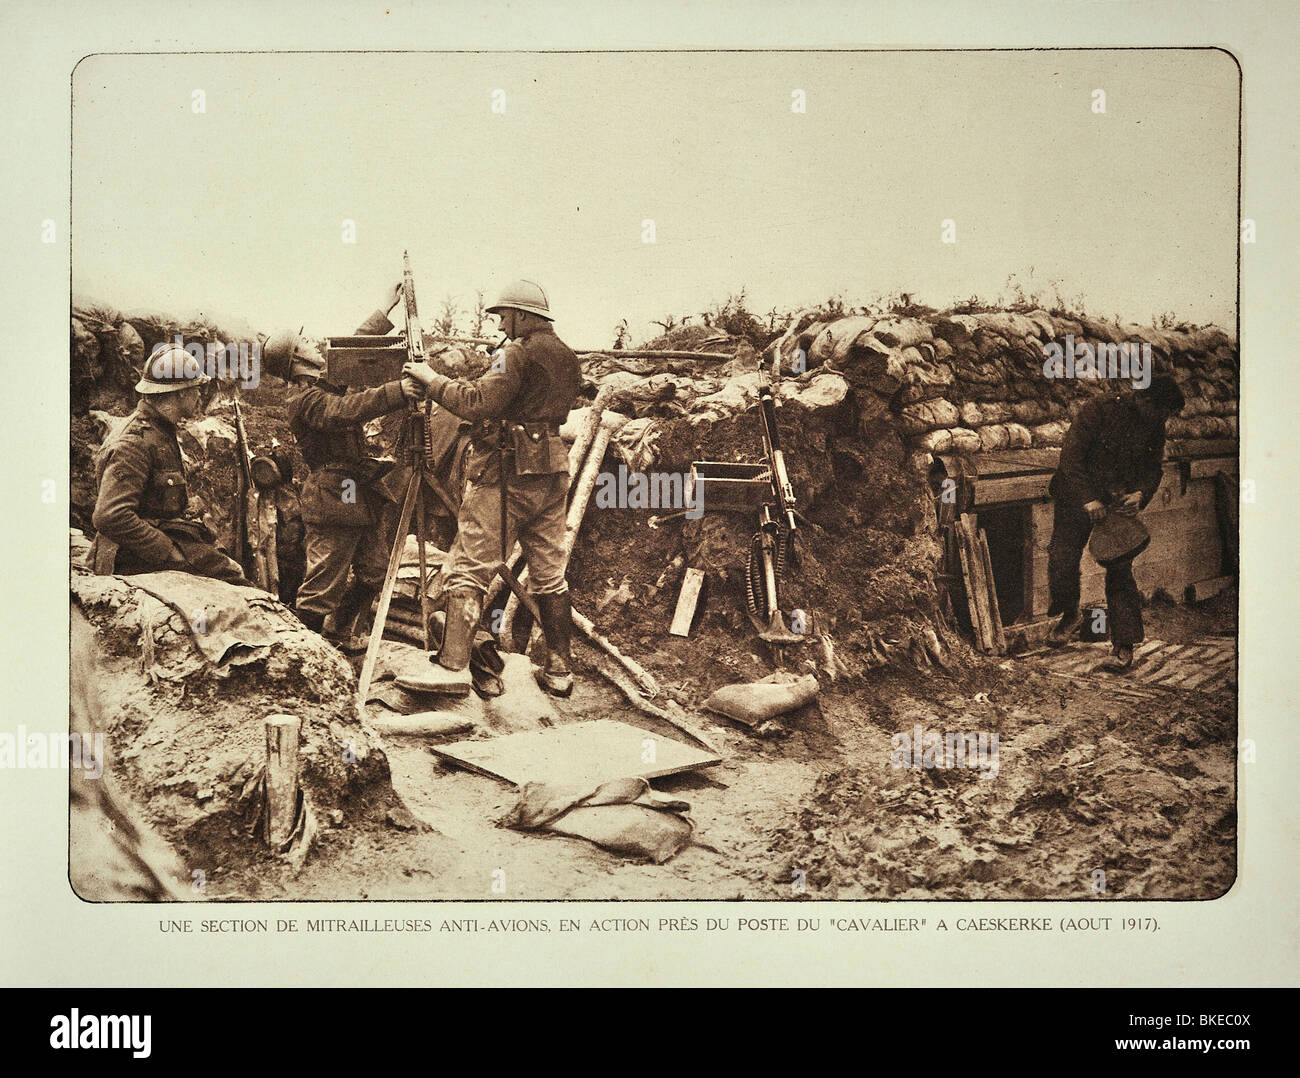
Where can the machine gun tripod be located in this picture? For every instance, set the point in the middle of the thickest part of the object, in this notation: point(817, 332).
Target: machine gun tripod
point(415, 438)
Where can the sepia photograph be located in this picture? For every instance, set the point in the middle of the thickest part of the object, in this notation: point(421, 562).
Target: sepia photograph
point(713, 475)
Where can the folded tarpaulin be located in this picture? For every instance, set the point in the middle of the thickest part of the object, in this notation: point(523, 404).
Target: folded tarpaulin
point(228, 623)
point(624, 815)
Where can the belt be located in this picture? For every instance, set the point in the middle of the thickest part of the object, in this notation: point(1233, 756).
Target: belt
point(534, 429)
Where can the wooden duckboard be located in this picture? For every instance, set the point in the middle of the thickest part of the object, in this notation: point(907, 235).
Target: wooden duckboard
point(578, 754)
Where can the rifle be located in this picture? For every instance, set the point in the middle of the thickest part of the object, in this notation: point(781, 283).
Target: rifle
point(250, 550)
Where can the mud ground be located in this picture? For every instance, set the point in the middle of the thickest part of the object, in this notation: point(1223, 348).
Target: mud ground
point(1090, 780)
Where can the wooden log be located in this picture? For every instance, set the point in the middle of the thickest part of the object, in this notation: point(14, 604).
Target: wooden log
point(687, 600)
point(282, 771)
point(672, 715)
point(651, 353)
point(587, 431)
point(644, 680)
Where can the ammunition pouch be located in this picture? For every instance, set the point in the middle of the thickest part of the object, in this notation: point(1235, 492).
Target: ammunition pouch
point(538, 448)
point(533, 448)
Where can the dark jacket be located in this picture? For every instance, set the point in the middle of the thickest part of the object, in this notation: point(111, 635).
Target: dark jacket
point(328, 426)
point(141, 483)
point(1109, 450)
point(532, 384)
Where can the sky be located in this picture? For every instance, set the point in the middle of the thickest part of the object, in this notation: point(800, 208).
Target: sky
point(238, 210)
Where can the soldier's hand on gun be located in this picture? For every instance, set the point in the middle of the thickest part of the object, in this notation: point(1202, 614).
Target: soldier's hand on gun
point(412, 390)
point(1130, 503)
point(1096, 511)
point(391, 297)
point(421, 373)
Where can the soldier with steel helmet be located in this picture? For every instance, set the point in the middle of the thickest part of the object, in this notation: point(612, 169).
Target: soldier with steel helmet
point(342, 511)
point(140, 511)
point(518, 481)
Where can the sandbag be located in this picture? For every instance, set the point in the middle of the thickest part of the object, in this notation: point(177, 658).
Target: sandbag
point(1049, 434)
point(523, 705)
point(624, 815)
point(755, 702)
point(421, 724)
point(929, 415)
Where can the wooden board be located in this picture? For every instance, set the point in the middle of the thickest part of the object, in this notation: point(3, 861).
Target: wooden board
point(687, 599)
point(577, 754)
point(995, 610)
point(972, 586)
point(1016, 461)
point(1020, 488)
point(1208, 467)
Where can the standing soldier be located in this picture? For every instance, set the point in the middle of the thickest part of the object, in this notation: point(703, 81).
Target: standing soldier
point(518, 482)
point(139, 517)
point(1111, 462)
point(341, 511)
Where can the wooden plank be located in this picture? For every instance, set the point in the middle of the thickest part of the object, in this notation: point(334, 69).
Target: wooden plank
point(995, 610)
point(1001, 462)
point(983, 637)
point(1018, 488)
point(577, 754)
point(687, 599)
point(1187, 448)
point(1208, 467)
point(1160, 661)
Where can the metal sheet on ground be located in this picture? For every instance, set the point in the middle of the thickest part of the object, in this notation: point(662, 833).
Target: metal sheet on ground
point(584, 753)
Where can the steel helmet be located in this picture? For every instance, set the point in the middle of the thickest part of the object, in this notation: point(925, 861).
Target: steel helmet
point(290, 355)
point(524, 296)
point(170, 368)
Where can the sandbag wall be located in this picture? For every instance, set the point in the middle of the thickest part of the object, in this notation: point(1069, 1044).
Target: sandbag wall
point(969, 383)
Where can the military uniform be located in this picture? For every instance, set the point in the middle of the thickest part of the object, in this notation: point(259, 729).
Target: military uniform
point(142, 502)
point(342, 513)
point(523, 399)
point(1109, 450)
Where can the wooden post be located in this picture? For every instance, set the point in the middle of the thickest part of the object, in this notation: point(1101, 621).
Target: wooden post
point(282, 770)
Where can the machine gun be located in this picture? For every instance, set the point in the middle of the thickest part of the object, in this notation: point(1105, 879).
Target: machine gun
point(766, 487)
point(772, 547)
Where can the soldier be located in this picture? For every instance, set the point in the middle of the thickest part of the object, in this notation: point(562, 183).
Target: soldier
point(1111, 462)
point(518, 461)
point(342, 512)
point(139, 515)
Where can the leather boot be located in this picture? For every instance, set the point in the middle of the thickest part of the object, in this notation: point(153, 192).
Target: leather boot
point(1066, 629)
point(354, 604)
point(311, 619)
point(450, 674)
point(521, 629)
point(557, 624)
